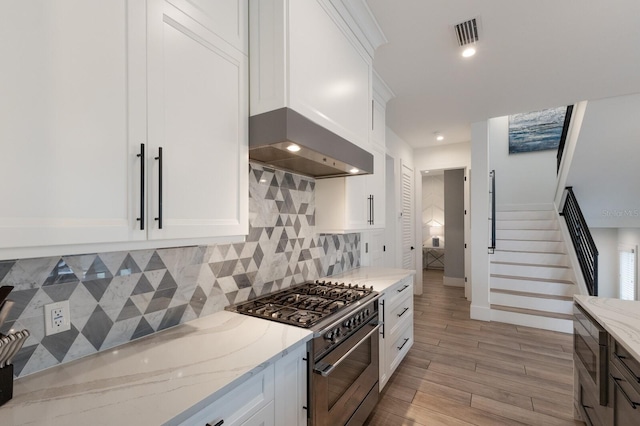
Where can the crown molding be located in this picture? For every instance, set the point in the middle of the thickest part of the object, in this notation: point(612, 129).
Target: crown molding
point(364, 25)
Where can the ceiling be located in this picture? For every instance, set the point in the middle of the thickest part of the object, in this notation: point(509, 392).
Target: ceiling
point(531, 55)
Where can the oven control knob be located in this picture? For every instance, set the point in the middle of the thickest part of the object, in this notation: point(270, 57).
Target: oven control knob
point(329, 335)
point(337, 332)
point(366, 312)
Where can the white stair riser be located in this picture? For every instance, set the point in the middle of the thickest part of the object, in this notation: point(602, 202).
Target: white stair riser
point(527, 271)
point(524, 215)
point(555, 289)
point(545, 323)
point(544, 246)
point(537, 303)
point(527, 224)
point(535, 258)
point(527, 234)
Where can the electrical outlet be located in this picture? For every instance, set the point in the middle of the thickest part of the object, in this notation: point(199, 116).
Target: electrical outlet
point(57, 317)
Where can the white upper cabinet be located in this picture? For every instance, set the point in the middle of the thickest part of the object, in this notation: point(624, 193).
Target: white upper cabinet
point(84, 86)
point(305, 57)
point(228, 19)
point(197, 114)
point(66, 163)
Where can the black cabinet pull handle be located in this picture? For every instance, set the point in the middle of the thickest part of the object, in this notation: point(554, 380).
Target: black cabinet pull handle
point(217, 424)
point(373, 210)
point(159, 218)
point(382, 328)
point(403, 343)
point(616, 380)
point(403, 288)
point(403, 312)
point(142, 161)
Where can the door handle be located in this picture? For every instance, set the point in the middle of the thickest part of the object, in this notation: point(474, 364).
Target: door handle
point(142, 161)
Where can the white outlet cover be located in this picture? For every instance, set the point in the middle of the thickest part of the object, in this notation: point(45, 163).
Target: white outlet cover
point(48, 318)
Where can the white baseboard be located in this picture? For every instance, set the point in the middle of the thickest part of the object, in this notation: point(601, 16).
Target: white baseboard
point(453, 282)
point(525, 207)
point(482, 313)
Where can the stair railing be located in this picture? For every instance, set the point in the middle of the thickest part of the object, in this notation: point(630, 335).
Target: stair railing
point(563, 137)
point(492, 215)
point(583, 243)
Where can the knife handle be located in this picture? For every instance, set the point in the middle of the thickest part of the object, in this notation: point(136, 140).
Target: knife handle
point(18, 346)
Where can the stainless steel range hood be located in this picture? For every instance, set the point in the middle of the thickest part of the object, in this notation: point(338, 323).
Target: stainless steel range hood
point(322, 154)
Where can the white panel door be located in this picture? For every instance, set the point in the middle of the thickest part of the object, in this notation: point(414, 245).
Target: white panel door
point(357, 203)
point(407, 223)
point(198, 115)
point(67, 159)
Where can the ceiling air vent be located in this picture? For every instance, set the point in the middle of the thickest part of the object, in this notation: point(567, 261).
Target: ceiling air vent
point(466, 32)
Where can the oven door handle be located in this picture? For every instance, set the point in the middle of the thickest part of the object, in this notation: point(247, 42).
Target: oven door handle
point(326, 369)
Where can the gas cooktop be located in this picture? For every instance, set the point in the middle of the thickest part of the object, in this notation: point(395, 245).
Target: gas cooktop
point(304, 305)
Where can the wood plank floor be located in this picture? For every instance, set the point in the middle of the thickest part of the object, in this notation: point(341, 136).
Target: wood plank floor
point(466, 372)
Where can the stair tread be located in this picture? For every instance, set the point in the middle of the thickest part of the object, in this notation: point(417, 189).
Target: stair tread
point(531, 251)
point(524, 240)
point(547, 280)
point(533, 312)
point(530, 264)
point(531, 294)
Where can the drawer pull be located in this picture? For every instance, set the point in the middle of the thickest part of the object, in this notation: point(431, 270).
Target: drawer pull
point(217, 424)
point(621, 358)
point(403, 312)
point(404, 343)
point(403, 288)
point(616, 380)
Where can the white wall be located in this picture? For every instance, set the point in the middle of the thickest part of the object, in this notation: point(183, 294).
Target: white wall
point(521, 179)
point(479, 223)
point(450, 156)
point(606, 240)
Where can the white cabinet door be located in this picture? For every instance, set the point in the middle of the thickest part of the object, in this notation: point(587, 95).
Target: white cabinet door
point(303, 56)
point(197, 114)
point(291, 388)
point(68, 158)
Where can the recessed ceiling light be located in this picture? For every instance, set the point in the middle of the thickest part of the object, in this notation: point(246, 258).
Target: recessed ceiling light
point(354, 171)
point(293, 147)
point(425, 171)
point(468, 52)
point(439, 136)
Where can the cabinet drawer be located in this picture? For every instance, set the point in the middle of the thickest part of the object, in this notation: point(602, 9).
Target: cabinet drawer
point(625, 401)
point(398, 291)
point(400, 343)
point(587, 399)
point(627, 365)
point(239, 404)
point(399, 313)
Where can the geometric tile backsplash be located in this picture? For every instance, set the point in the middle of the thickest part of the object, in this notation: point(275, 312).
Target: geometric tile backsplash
point(116, 297)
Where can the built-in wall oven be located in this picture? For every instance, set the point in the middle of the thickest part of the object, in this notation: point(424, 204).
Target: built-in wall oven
point(344, 352)
point(591, 360)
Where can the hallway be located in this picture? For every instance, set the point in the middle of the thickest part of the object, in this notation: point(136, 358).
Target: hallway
point(461, 371)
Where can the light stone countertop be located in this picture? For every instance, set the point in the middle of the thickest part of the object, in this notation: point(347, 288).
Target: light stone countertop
point(379, 278)
point(621, 318)
point(154, 379)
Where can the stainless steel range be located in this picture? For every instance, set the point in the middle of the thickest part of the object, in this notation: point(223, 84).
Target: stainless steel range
point(343, 354)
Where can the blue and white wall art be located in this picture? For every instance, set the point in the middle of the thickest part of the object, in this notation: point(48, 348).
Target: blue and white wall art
point(536, 131)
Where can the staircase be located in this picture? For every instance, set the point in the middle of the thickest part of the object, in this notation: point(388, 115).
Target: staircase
point(531, 282)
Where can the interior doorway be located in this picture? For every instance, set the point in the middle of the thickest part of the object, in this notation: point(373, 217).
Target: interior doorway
point(444, 227)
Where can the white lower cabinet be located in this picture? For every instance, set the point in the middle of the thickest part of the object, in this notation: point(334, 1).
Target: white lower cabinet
point(277, 395)
point(396, 335)
point(239, 404)
point(291, 388)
